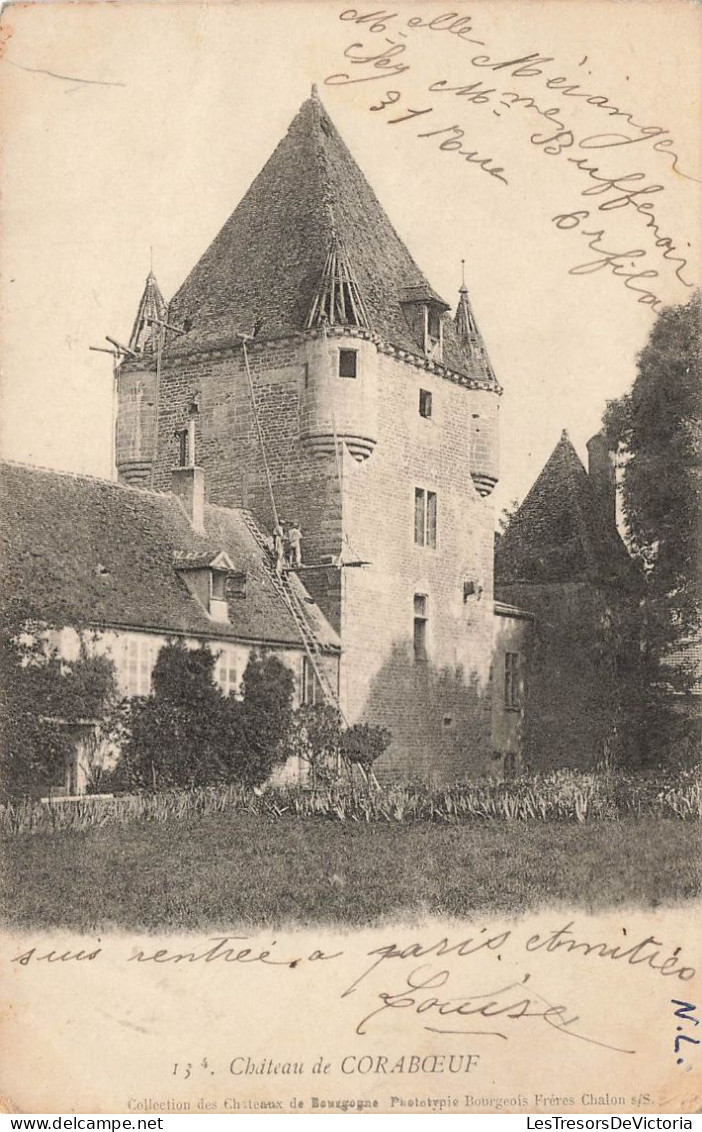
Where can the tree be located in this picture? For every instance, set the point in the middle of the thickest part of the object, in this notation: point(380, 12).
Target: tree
point(315, 737)
point(262, 719)
point(505, 517)
point(182, 734)
point(658, 431)
point(187, 733)
point(363, 743)
point(46, 700)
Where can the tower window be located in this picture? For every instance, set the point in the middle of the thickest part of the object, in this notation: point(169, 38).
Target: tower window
point(424, 517)
point(420, 627)
point(425, 403)
point(182, 438)
point(513, 690)
point(348, 363)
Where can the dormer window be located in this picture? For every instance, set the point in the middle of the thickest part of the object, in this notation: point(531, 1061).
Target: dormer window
point(207, 578)
point(218, 589)
point(423, 310)
point(433, 332)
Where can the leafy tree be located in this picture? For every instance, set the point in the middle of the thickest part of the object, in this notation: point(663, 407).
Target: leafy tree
point(188, 733)
point(44, 699)
point(315, 737)
point(658, 429)
point(363, 743)
point(505, 517)
point(182, 734)
point(261, 721)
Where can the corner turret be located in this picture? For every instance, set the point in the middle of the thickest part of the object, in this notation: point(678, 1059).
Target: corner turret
point(137, 390)
point(340, 396)
point(484, 448)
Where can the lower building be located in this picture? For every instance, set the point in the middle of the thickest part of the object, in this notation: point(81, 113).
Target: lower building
point(136, 568)
point(562, 559)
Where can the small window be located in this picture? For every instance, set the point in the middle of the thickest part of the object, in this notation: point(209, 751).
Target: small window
point(227, 671)
point(420, 627)
point(425, 403)
point(434, 324)
point(236, 584)
point(135, 660)
point(424, 517)
point(219, 584)
point(348, 363)
point(513, 688)
point(182, 438)
point(311, 688)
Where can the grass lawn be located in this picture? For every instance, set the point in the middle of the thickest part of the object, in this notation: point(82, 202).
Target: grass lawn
point(227, 869)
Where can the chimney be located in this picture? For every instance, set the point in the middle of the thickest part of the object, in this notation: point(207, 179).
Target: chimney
point(601, 470)
point(188, 484)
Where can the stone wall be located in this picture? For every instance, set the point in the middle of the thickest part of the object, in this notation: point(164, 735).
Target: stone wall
point(584, 674)
point(438, 709)
point(513, 634)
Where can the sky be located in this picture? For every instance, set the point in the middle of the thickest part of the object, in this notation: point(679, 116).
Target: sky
point(130, 127)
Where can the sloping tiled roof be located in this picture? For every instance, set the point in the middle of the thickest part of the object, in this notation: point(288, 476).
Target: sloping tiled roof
point(561, 532)
point(77, 546)
point(266, 263)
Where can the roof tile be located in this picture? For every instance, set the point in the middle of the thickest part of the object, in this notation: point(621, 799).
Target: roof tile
point(266, 264)
point(561, 532)
point(87, 548)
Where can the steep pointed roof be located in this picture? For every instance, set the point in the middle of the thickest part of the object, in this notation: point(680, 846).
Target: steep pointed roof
point(152, 306)
point(267, 264)
point(561, 532)
point(467, 334)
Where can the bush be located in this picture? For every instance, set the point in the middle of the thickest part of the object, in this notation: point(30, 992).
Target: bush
point(182, 734)
point(315, 737)
point(261, 721)
point(363, 743)
point(189, 734)
point(44, 700)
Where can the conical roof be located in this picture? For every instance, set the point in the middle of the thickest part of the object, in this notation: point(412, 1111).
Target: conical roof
point(152, 310)
point(561, 532)
point(266, 267)
point(469, 337)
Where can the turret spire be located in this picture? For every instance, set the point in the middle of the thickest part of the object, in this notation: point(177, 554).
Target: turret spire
point(337, 299)
point(152, 310)
point(466, 327)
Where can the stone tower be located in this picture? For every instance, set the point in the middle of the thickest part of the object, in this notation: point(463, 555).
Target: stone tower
point(137, 390)
point(359, 408)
